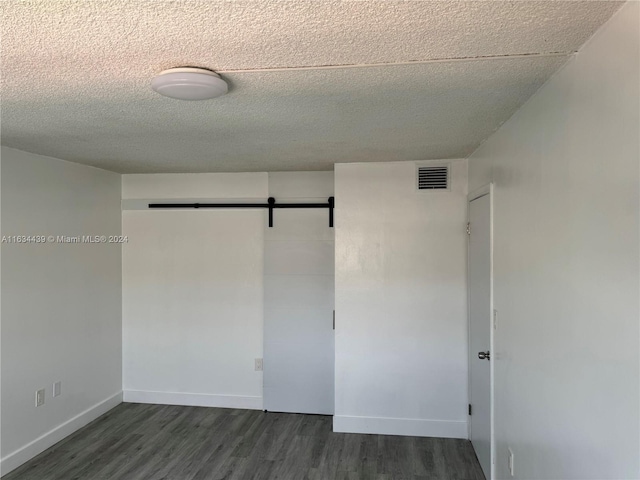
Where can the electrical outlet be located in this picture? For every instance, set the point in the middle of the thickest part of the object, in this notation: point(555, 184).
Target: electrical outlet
point(40, 398)
point(57, 389)
point(258, 366)
point(511, 463)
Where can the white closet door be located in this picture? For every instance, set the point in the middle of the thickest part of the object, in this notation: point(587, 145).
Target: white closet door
point(298, 321)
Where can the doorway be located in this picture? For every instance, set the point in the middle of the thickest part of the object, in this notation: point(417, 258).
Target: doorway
point(481, 327)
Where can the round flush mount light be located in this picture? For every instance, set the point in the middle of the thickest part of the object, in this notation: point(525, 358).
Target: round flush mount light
point(189, 83)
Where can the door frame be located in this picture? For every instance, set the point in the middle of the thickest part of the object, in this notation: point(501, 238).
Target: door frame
point(481, 192)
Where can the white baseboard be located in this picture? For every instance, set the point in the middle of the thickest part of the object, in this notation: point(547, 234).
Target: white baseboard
point(40, 444)
point(411, 427)
point(193, 399)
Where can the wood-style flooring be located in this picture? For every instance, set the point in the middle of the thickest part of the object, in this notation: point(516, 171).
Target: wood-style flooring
point(160, 442)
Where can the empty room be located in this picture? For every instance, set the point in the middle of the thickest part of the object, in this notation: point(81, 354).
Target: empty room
point(321, 240)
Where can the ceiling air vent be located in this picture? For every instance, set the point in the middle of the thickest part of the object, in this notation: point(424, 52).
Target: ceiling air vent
point(433, 178)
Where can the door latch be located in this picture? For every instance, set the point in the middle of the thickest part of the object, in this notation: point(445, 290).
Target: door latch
point(484, 355)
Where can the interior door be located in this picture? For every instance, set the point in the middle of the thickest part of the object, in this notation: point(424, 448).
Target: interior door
point(480, 329)
point(298, 322)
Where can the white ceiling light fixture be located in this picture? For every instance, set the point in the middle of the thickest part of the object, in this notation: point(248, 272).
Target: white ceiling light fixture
point(189, 83)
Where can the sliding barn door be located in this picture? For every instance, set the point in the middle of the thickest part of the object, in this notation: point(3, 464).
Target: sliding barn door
point(298, 322)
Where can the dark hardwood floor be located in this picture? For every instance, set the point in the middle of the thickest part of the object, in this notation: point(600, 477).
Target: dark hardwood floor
point(154, 442)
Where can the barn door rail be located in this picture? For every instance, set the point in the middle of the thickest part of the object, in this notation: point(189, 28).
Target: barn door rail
point(271, 205)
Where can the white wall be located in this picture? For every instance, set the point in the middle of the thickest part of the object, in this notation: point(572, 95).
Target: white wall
point(61, 317)
point(193, 293)
point(401, 319)
point(566, 178)
point(194, 185)
point(299, 291)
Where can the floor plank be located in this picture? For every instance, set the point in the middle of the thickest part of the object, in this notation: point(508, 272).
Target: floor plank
point(161, 442)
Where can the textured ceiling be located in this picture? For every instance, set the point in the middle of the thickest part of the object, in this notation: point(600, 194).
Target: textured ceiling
point(75, 78)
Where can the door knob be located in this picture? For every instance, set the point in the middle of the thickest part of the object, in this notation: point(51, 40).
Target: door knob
point(484, 355)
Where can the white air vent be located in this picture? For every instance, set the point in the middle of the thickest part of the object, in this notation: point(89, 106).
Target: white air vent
point(433, 178)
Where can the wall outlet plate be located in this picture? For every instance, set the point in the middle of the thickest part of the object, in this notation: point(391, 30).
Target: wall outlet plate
point(57, 389)
point(258, 365)
point(40, 397)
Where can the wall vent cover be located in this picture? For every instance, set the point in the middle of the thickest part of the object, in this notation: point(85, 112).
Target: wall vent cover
point(433, 178)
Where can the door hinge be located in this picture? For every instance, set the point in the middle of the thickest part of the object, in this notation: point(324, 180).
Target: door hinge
point(468, 228)
point(334, 319)
point(469, 409)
